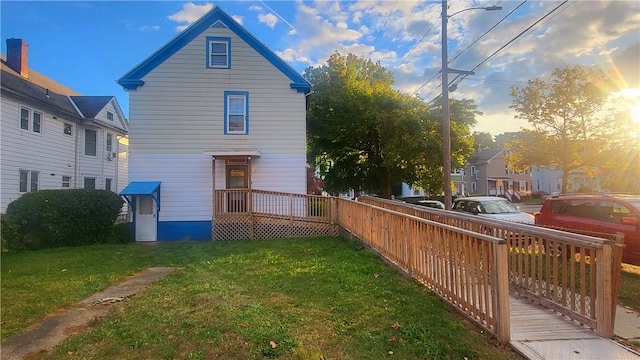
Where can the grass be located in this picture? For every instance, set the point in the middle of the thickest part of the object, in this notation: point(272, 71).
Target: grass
point(629, 293)
point(322, 298)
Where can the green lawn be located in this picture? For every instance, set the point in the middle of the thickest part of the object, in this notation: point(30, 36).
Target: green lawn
point(321, 298)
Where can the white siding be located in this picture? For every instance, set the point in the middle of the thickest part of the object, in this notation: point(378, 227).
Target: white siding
point(50, 152)
point(180, 108)
point(186, 190)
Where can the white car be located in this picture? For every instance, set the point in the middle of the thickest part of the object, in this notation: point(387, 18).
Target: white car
point(492, 207)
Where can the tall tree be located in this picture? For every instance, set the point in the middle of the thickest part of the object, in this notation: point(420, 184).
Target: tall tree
point(364, 135)
point(569, 129)
point(482, 141)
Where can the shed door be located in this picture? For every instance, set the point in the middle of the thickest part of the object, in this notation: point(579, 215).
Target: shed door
point(146, 221)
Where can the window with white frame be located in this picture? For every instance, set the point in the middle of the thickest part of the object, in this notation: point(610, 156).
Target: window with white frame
point(236, 112)
point(66, 181)
point(89, 183)
point(30, 120)
point(29, 181)
point(107, 184)
point(109, 144)
point(90, 142)
point(474, 187)
point(218, 52)
point(109, 116)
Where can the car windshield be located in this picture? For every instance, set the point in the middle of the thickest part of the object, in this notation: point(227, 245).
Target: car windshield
point(634, 202)
point(499, 207)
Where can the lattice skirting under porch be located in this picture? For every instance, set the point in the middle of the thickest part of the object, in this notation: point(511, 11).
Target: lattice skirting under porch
point(244, 226)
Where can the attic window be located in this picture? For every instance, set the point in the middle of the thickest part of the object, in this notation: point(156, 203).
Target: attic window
point(218, 53)
point(109, 116)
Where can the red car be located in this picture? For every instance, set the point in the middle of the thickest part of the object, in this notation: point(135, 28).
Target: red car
point(596, 214)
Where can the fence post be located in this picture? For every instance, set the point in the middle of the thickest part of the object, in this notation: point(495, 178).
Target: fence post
point(503, 312)
point(604, 290)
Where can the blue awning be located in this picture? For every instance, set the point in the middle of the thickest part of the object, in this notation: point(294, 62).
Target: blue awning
point(135, 188)
point(140, 188)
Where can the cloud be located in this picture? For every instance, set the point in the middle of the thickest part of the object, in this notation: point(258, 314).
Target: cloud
point(291, 55)
point(269, 19)
point(147, 28)
point(237, 18)
point(190, 13)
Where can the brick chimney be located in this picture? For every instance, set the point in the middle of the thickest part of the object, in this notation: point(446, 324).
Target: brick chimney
point(17, 56)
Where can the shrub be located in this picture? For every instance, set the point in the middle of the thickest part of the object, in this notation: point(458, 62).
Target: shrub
point(121, 234)
point(53, 218)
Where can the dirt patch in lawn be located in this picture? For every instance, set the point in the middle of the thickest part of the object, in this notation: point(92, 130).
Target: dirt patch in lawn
point(57, 326)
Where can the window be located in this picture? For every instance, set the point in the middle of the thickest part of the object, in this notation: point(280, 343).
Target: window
point(31, 118)
point(66, 181)
point(109, 146)
point(67, 129)
point(109, 116)
point(218, 53)
point(474, 187)
point(236, 112)
point(107, 184)
point(89, 183)
point(90, 142)
point(24, 119)
point(28, 181)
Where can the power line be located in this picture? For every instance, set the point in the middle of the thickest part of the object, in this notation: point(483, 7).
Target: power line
point(401, 61)
point(486, 32)
point(462, 77)
point(381, 30)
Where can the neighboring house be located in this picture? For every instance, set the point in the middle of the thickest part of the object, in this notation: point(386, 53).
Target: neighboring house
point(548, 180)
point(54, 138)
point(213, 108)
point(488, 174)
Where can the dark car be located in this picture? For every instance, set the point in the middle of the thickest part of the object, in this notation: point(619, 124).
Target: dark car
point(596, 214)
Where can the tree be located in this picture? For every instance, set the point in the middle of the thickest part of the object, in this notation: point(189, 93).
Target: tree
point(569, 129)
point(482, 141)
point(363, 135)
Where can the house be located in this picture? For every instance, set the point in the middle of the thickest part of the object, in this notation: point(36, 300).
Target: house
point(213, 108)
point(52, 137)
point(548, 180)
point(486, 173)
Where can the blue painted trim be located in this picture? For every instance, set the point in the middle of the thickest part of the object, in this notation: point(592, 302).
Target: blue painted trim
point(208, 57)
point(246, 112)
point(184, 230)
point(301, 87)
point(132, 79)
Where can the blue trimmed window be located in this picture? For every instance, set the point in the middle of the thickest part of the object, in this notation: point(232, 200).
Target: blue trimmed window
point(218, 53)
point(236, 112)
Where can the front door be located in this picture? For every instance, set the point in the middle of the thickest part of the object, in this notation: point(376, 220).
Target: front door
point(146, 221)
point(237, 178)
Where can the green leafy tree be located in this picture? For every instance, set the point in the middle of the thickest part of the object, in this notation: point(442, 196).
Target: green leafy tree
point(568, 126)
point(363, 135)
point(482, 141)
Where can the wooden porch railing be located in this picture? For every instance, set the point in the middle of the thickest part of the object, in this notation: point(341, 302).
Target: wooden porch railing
point(573, 274)
point(259, 214)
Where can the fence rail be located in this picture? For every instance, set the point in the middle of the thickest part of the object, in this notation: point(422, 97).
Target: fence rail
point(575, 275)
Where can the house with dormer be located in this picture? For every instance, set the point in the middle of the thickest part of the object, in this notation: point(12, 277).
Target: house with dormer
point(213, 108)
point(52, 137)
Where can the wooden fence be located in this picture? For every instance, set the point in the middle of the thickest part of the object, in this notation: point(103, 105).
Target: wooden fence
point(575, 275)
point(469, 261)
point(466, 268)
point(258, 214)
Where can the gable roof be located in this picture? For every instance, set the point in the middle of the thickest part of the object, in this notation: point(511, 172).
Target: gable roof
point(90, 106)
point(483, 157)
point(132, 79)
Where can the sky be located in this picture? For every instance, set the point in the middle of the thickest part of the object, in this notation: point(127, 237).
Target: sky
point(88, 45)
